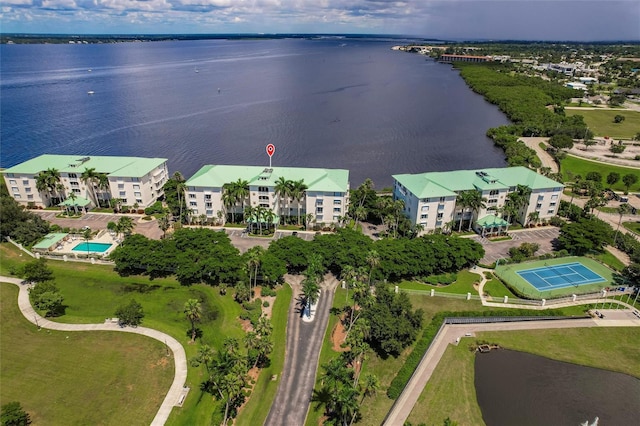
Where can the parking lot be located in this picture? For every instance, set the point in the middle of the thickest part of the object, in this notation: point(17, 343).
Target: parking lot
point(500, 249)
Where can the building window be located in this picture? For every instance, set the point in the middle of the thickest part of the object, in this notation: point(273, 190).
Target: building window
point(10, 175)
point(30, 197)
point(192, 196)
point(552, 204)
point(122, 193)
point(336, 218)
point(72, 176)
point(137, 194)
point(194, 211)
point(440, 206)
point(337, 202)
point(263, 189)
point(554, 197)
point(319, 210)
point(209, 213)
point(442, 199)
point(77, 191)
point(263, 198)
point(193, 203)
point(25, 182)
point(264, 205)
point(492, 201)
point(27, 189)
point(439, 215)
point(135, 179)
point(494, 192)
point(138, 200)
point(540, 197)
point(336, 209)
point(124, 201)
point(207, 196)
point(14, 188)
point(319, 217)
point(425, 208)
point(12, 181)
point(208, 205)
point(424, 216)
point(75, 184)
point(551, 211)
point(539, 205)
point(337, 194)
point(120, 185)
point(136, 187)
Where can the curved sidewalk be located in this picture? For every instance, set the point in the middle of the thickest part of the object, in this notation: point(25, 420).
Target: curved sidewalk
point(179, 355)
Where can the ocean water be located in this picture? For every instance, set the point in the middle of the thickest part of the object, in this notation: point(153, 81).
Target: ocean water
point(335, 103)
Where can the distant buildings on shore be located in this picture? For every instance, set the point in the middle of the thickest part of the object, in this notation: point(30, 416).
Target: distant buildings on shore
point(434, 200)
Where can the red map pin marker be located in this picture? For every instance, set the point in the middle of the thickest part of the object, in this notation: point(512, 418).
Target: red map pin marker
point(271, 148)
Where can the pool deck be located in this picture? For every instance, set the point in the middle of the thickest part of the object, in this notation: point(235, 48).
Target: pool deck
point(66, 246)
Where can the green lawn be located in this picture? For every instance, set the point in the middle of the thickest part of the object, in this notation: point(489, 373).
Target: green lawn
point(496, 289)
point(610, 260)
point(580, 166)
point(79, 378)
point(93, 292)
point(463, 285)
point(600, 122)
point(633, 226)
point(451, 392)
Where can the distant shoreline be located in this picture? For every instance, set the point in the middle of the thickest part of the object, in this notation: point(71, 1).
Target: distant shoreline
point(16, 38)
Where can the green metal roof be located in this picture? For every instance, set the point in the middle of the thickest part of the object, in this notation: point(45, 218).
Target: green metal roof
point(325, 180)
point(79, 201)
point(491, 221)
point(440, 184)
point(49, 240)
point(111, 165)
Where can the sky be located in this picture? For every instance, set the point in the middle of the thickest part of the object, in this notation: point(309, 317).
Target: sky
point(445, 19)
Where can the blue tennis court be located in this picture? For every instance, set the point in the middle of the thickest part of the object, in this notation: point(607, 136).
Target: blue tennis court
point(560, 276)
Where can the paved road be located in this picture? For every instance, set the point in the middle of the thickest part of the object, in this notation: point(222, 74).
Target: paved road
point(179, 356)
point(304, 341)
point(449, 334)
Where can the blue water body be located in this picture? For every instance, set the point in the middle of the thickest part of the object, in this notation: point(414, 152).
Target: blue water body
point(92, 247)
point(337, 103)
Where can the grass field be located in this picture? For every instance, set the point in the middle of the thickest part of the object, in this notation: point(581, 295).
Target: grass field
point(508, 273)
point(463, 285)
point(633, 226)
point(496, 289)
point(79, 378)
point(600, 122)
point(93, 292)
point(573, 166)
point(451, 391)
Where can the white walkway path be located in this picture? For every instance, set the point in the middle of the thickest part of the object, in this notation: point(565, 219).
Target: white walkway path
point(179, 356)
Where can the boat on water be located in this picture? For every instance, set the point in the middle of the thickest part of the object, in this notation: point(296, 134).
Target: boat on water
point(90, 92)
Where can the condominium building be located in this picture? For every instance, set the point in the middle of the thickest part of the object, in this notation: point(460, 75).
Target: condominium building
point(325, 197)
point(431, 199)
point(132, 180)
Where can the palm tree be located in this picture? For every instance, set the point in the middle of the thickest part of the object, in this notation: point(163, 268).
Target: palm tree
point(103, 186)
point(476, 202)
point(125, 225)
point(241, 191)
point(311, 282)
point(90, 178)
point(49, 181)
point(73, 197)
point(360, 213)
point(193, 311)
point(298, 192)
point(283, 192)
point(268, 216)
point(164, 224)
point(229, 200)
point(249, 215)
point(254, 259)
point(533, 217)
point(181, 187)
point(373, 259)
point(623, 209)
point(370, 385)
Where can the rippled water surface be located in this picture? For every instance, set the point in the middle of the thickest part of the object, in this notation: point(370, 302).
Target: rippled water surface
point(351, 104)
point(516, 388)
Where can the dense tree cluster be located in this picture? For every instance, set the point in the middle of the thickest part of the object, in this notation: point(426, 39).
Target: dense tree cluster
point(201, 255)
point(525, 101)
point(13, 414)
point(584, 235)
point(18, 223)
point(130, 314)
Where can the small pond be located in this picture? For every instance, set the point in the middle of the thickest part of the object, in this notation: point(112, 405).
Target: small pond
point(516, 388)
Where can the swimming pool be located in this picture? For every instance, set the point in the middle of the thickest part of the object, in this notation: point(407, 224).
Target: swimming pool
point(92, 247)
